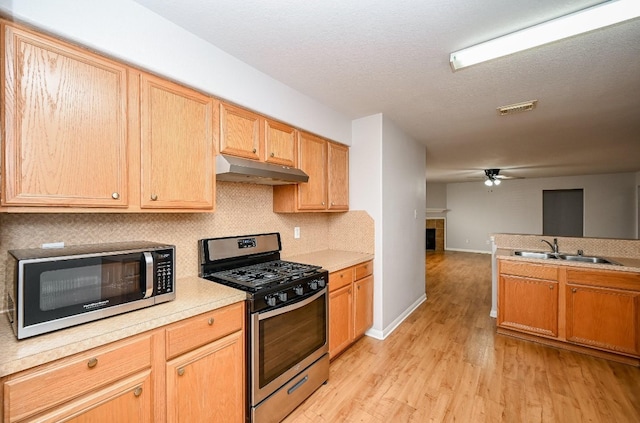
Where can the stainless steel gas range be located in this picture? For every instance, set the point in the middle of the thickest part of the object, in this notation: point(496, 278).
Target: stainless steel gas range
point(286, 321)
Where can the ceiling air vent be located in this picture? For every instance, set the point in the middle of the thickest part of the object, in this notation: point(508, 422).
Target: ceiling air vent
point(516, 108)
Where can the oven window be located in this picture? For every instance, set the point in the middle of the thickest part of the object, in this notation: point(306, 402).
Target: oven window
point(288, 338)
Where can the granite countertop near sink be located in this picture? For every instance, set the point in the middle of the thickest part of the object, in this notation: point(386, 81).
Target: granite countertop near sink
point(626, 264)
point(193, 296)
point(331, 260)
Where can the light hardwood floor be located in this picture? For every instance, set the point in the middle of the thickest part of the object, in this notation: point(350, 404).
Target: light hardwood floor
point(446, 363)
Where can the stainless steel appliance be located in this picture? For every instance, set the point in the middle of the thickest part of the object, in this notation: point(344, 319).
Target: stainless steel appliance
point(54, 288)
point(287, 315)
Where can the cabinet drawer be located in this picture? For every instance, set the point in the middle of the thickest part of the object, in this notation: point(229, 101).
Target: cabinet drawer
point(340, 278)
point(364, 270)
point(204, 328)
point(538, 271)
point(606, 279)
point(41, 388)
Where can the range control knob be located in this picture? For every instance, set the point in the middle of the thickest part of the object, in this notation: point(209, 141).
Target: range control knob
point(313, 285)
point(282, 296)
point(321, 283)
point(299, 290)
point(271, 301)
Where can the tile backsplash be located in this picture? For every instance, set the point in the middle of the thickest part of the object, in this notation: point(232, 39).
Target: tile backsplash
point(240, 209)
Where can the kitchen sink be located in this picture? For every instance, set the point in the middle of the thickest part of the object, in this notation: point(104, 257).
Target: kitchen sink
point(567, 257)
point(587, 259)
point(535, 254)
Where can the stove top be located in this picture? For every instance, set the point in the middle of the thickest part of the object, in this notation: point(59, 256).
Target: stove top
point(267, 274)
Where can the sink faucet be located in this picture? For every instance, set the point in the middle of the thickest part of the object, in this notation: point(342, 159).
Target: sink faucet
point(553, 247)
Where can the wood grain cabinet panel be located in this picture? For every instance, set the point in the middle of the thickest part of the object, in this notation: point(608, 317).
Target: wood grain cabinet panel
point(362, 306)
point(240, 132)
point(177, 146)
point(65, 124)
point(528, 304)
point(312, 160)
point(207, 384)
point(340, 320)
point(280, 143)
point(338, 177)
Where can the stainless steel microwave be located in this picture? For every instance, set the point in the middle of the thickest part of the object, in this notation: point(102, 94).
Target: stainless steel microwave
point(51, 289)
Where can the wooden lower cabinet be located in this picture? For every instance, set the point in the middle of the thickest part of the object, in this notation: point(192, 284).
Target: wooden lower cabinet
point(350, 306)
point(207, 385)
point(137, 380)
point(529, 304)
point(588, 310)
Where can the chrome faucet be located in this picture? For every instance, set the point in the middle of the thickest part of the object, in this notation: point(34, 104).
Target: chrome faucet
point(553, 247)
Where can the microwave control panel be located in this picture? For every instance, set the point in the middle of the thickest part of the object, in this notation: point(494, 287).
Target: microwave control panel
point(164, 271)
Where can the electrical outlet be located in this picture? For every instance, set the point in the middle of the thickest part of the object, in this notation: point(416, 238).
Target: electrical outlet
point(296, 232)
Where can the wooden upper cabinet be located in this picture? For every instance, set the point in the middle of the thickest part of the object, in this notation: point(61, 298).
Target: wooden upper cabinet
point(313, 161)
point(64, 119)
point(338, 178)
point(240, 132)
point(280, 143)
point(177, 151)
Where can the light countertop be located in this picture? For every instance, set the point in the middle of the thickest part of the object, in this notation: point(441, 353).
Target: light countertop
point(627, 264)
point(193, 296)
point(332, 260)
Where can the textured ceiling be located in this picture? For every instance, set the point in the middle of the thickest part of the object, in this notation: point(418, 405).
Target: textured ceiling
point(392, 57)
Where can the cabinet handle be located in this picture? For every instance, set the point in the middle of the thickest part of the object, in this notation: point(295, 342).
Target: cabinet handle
point(115, 195)
point(210, 321)
point(92, 363)
point(273, 154)
point(323, 203)
point(154, 197)
point(181, 371)
point(574, 290)
point(550, 286)
point(138, 391)
point(254, 150)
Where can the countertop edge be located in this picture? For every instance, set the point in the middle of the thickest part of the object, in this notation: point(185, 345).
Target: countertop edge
point(332, 260)
point(194, 296)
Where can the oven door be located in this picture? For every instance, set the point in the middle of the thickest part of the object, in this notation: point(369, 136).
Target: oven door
point(285, 341)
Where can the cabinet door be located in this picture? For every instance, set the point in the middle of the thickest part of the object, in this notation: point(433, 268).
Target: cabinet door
point(280, 143)
point(177, 146)
point(530, 305)
point(130, 400)
point(340, 320)
point(363, 306)
point(603, 318)
point(239, 132)
point(65, 135)
point(313, 161)
point(338, 177)
point(207, 384)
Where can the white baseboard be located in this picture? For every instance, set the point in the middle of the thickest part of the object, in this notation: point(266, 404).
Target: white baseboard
point(382, 334)
point(493, 313)
point(462, 250)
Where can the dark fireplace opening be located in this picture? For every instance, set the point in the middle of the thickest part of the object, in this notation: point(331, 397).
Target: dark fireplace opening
point(431, 239)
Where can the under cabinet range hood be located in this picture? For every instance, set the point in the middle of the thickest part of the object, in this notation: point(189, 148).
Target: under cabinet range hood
point(236, 169)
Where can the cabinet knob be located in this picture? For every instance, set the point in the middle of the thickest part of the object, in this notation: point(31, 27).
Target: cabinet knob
point(115, 195)
point(92, 363)
point(181, 371)
point(254, 150)
point(550, 286)
point(273, 154)
point(574, 290)
point(138, 391)
point(210, 321)
point(154, 197)
point(323, 203)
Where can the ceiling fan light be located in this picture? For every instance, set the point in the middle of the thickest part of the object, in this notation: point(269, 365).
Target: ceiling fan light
point(496, 182)
point(488, 182)
point(599, 16)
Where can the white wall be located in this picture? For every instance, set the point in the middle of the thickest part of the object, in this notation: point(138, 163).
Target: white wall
point(129, 32)
point(476, 211)
point(387, 180)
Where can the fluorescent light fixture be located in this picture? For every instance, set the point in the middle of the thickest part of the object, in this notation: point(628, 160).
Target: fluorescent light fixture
point(605, 14)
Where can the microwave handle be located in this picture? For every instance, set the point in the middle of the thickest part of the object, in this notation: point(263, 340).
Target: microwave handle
point(148, 261)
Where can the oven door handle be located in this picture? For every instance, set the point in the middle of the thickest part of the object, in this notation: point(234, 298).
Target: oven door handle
point(295, 306)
